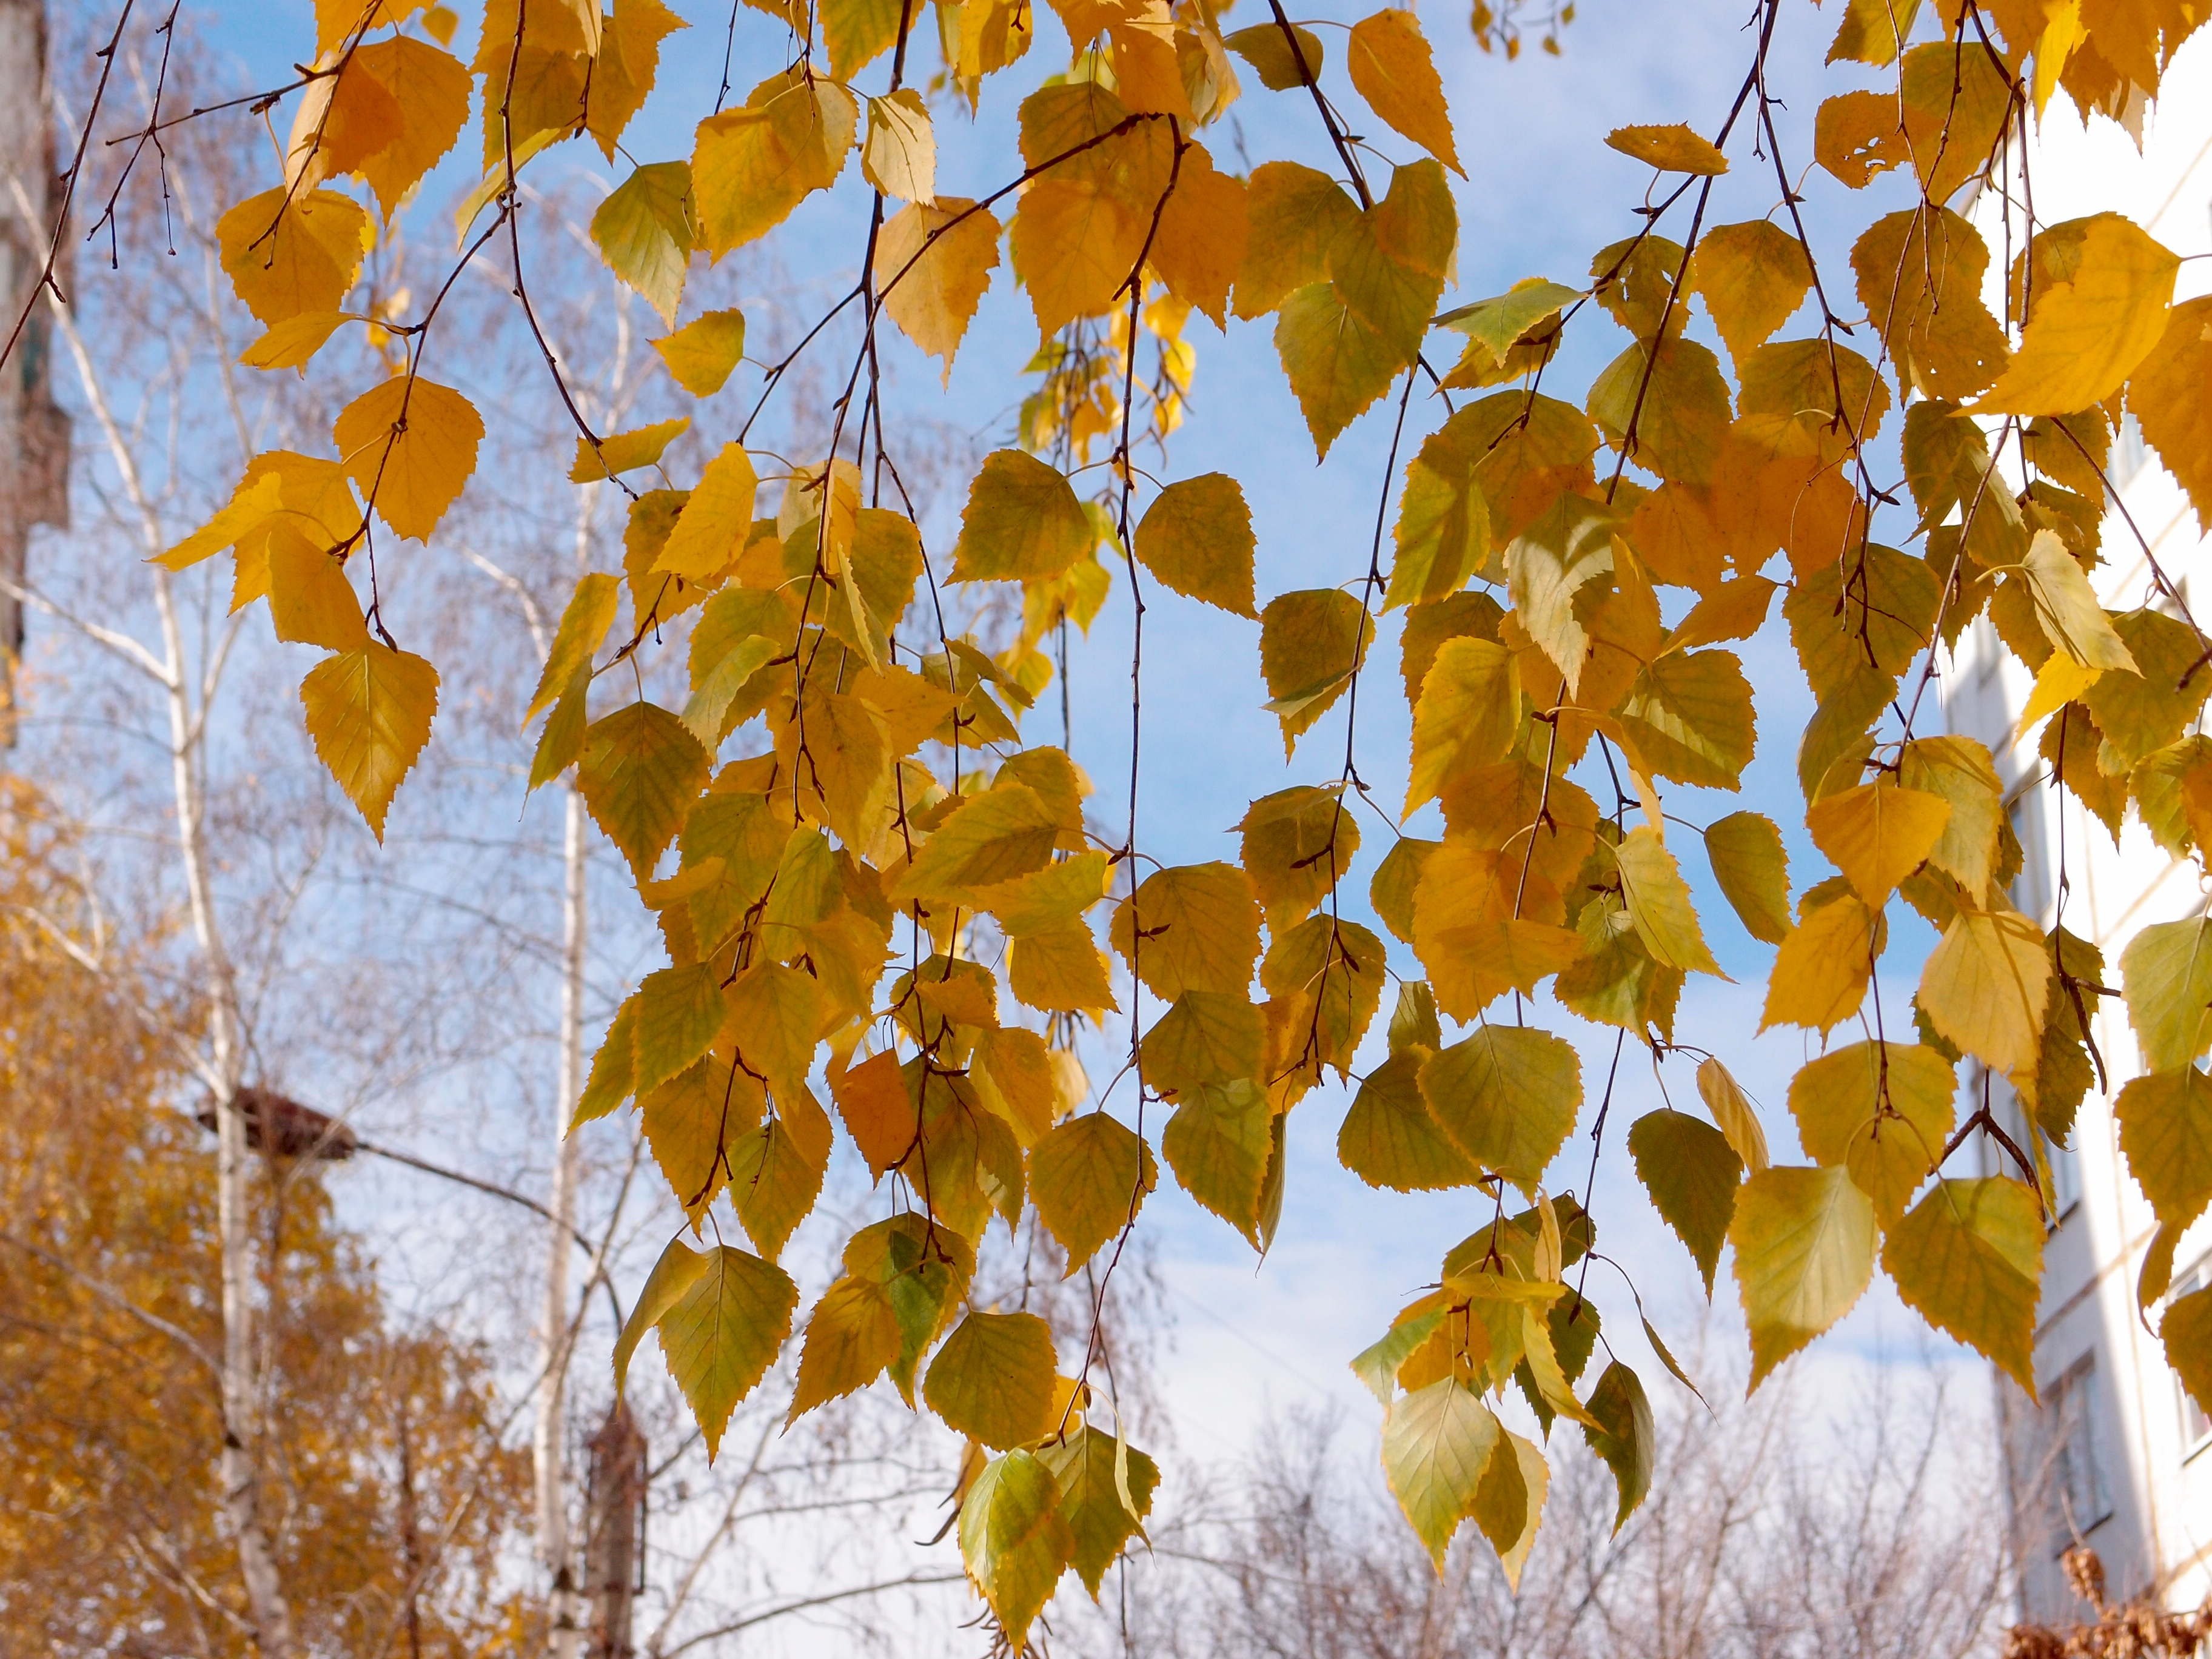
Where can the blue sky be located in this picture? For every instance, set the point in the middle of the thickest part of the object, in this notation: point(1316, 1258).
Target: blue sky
point(1542, 196)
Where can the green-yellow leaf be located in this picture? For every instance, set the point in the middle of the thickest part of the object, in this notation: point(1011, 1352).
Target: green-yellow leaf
point(1021, 522)
point(2165, 1130)
point(1099, 1479)
point(1691, 1173)
point(2186, 1331)
point(584, 624)
point(1804, 1253)
point(679, 1268)
point(1206, 1037)
point(646, 231)
point(1960, 771)
point(1218, 1143)
point(722, 1334)
point(1000, 835)
point(680, 1010)
point(1437, 1442)
point(639, 771)
point(1745, 850)
point(1312, 641)
point(1987, 986)
point(1273, 58)
point(1624, 1436)
point(1970, 1258)
point(2067, 606)
point(1507, 1095)
point(1658, 901)
point(992, 1379)
point(1014, 1539)
point(1196, 538)
point(369, 711)
point(1390, 1139)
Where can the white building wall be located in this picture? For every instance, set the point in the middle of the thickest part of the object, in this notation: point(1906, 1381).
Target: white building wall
point(2113, 1452)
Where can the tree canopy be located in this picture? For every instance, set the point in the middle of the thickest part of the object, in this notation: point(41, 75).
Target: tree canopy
point(877, 883)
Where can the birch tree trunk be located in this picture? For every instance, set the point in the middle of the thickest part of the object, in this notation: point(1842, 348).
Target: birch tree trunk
point(565, 1604)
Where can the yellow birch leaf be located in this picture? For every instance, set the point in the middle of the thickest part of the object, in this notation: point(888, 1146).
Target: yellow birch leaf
point(1873, 31)
point(1548, 565)
point(1877, 833)
point(1390, 1139)
point(2060, 681)
point(1671, 149)
point(751, 167)
point(702, 355)
point(1337, 363)
point(369, 711)
point(932, 263)
point(1218, 1143)
point(1804, 1254)
point(1658, 902)
point(287, 255)
point(1754, 277)
point(1206, 1037)
point(858, 32)
point(1437, 1442)
point(1204, 231)
point(1883, 1111)
point(2186, 1331)
point(852, 1337)
point(1000, 835)
point(625, 451)
point(2088, 329)
point(583, 629)
point(992, 1379)
point(2067, 607)
point(410, 445)
point(1389, 59)
point(899, 155)
point(1821, 970)
point(1088, 1179)
point(1987, 986)
point(680, 1010)
point(1295, 214)
point(256, 500)
point(717, 515)
point(1105, 1492)
point(1962, 772)
point(1733, 1111)
point(1969, 1258)
point(1468, 712)
point(430, 88)
point(1021, 522)
point(294, 342)
point(2167, 397)
point(310, 600)
point(1196, 538)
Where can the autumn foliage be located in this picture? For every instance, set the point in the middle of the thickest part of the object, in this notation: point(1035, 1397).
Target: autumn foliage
point(874, 888)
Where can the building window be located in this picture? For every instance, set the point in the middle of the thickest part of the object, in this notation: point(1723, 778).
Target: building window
point(2195, 1427)
point(2078, 1497)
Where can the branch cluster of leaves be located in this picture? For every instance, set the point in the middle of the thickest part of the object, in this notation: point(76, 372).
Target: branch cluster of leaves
point(852, 851)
